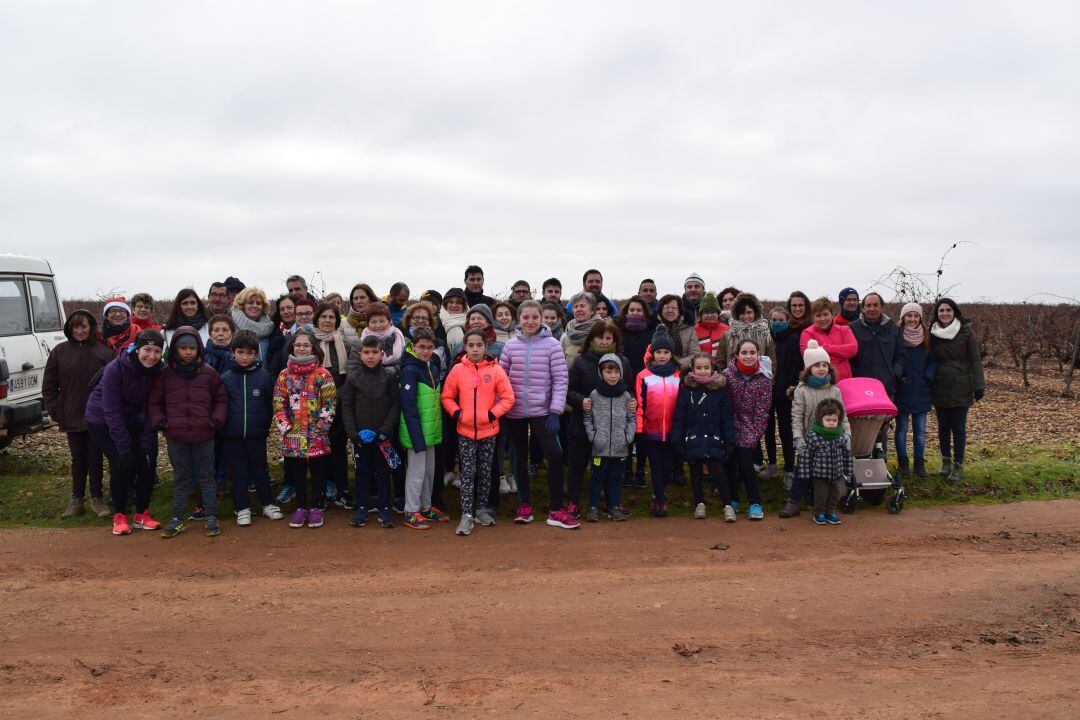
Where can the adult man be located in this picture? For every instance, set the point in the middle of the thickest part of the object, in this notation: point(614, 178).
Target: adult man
point(520, 292)
point(849, 306)
point(693, 291)
point(646, 290)
point(474, 287)
point(296, 286)
point(217, 299)
point(593, 282)
point(233, 286)
point(552, 289)
point(881, 350)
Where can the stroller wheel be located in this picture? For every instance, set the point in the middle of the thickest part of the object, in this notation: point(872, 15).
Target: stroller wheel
point(896, 502)
point(849, 502)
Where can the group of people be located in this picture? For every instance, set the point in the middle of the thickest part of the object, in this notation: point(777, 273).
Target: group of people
point(444, 389)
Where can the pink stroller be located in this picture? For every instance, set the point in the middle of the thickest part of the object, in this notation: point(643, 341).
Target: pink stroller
point(868, 407)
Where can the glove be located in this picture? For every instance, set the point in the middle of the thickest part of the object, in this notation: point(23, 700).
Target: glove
point(491, 417)
point(366, 436)
point(800, 443)
point(283, 426)
point(457, 415)
point(979, 393)
point(845, 441)
point(552, 424)
point(127, 462)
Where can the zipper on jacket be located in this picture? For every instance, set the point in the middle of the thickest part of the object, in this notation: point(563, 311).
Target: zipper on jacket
point(610, 424)
point(475, 396)
point(245, 407)
point(528, 361)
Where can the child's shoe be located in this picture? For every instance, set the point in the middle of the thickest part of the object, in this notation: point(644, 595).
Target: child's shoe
point(386, 520)
point(819, 518)
point(360, 518)
point(273, 512)
point(298, 519)
point(769, 472)
point(484, 517)
point(465, 526)
point(572, 509)
point(524, 515)
point(729, 514)
point(790, 509)
point(416, 521)
point(833, 519)
point(563, 519)
point(659, 508)
point(143, 521)
point(344, 501)
point(120, 524)
point(399, 506)
point(174, 528)
point(434, 514)
point(592, 514)
point(618, 513)
point(504, 486)
point(735, 505)
point(699, 511)
point(243, 517)
point(315, 518)
point(212, 527)
point(197, 514)
point(287, 494)
point(755, 512)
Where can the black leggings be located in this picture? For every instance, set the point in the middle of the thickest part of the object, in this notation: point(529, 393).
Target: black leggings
point(296, 471)
point(716, 474)
point(952, 432)
point(579, 455)
point(741, 471)
point(519, 435)
point(86, 460)
point(780, 413)
point(121, 479)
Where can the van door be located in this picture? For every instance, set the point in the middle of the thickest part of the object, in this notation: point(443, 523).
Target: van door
point(47, 317)
point(18, 344)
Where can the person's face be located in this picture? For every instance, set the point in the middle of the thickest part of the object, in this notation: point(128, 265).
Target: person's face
point(829, 422)
point(605, 340)
point(521, 292)
point(420, 318)
point(871, 308)
point(371, 356)
point(454, 305)
point(710, 317)
point(798, 307)
point(694, 290)
point(851, 302)
point(635, 310)
point(582, 310)
point(611, 373)
point(819, 369)
point(80, 329)
point(603, 310)
point(186, 353)
point(726, 301)
point(326, 320)
point(671, 311)
point(302, 345)
point(116, 316)
point(647, 291)
point(304, 314)
point(478, 322)
point(149, 355)
point(402, 298)
point(360, 301)
point(702, 366)
point(474, 282)
point(594, 283)
point(748, 315)
point(189, 306)
point(424, 349)
point(553, 294)
point(913, 320)
point(296, 288)
point(217, 298)
point(287, 310)
point(503, 316)
point(244, 356)
point(662, 355)
point(748, 354)
point(530, 321)
point(945, 315)
point(253, 308)
point(823, 318)
point(475, 348)
point(336, 302)
point(777, 316)
point(142, 310)
point(551, 318)
point(378, 323)
point(221, 334)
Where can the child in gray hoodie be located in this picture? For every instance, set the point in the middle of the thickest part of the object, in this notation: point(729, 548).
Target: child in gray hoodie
point(610, 424)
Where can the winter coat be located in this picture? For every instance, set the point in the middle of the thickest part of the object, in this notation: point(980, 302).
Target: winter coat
point(704, 421)
point(656, 399)
point(825, 459)
point(119, 401)
point(420, 397)
point(65, 387)
point(804, 404)
point(710, 341)
point(218, 357)
point(584, 378)
point(913, 388)
point(351, 327)
point(476, 389)
point(370, 400)
point(751, 401)
point(188, 409)
point(251, 401)
point(610, 426)
point(839, 342)
point(881, 351)
point(304, 403)
point(536, 367)
point(959, 369)
point(789, 362)
point(635, 345)
point(758, 330)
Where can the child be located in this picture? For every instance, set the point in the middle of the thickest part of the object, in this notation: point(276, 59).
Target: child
point(189, 404)
point(222, 329)
point(477, 393)
point(251, 405)
point(704, 429)
point(304, 400)
point(380, 326)
point(552, 316)
point(421, 427)
point(817, 382)
point(657, 390)
point(610, 423)
point(751, 397)
point(825, 458)
point(65, 389)
point(505, 324)
point(370, 409)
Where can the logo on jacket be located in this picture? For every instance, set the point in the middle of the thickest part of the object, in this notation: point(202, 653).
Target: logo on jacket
point(256, 392)
point(487, 377)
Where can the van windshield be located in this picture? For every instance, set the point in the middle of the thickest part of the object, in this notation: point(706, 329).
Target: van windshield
point(14, 314)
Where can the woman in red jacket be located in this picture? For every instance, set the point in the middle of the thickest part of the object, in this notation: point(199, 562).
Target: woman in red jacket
point(836, 339)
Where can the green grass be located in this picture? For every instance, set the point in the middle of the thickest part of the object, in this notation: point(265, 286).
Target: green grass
point(34, 490)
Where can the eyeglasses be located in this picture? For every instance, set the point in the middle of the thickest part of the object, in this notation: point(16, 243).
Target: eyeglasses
point(218, 295)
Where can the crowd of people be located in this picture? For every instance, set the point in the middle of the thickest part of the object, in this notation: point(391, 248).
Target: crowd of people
point(452, 388)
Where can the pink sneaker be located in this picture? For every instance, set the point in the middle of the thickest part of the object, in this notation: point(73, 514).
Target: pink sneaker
point(524, 515)
point(563, 519)
point(299, 517)
point(143, 521)
point(315, 518)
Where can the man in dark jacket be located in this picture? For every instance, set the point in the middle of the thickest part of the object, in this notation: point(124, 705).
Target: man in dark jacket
point(474, 287)
point(881, 351)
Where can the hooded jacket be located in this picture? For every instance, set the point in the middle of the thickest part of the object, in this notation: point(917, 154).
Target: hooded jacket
point(656, 399)
point(584, 377)
point(751, 400)
point(881, 351)
point(757, 330)
point(251, 401)
point(476, 389)
point(305, 400)
point(839, 342)
point(704, 426)
point(537, 370)
point(610, 425)
point(421, 419)
point(65, 387)
point(118, 401)
point(369, 400)
point(188, 409)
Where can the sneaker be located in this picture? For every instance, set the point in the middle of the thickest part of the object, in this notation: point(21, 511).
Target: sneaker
point(75, 507)
point(729, 514)
point(504, 487)
point(360, 518)
point(659, 509)
point(416, 521)
point(120, 524)
point(197, 514)
point(386, 520)
point(790, 509)
point(273, 512)
point(344, 502)
point(769, 472)
point(174, 528)
point(592, 514)
point(699, 511)
point(484, 517)
point(563, 519)
point(434, 514)
point(833, 519)
point(398, 506)
point(243, 517)
point(956, 474)
point(315, 518)
point(251, 488)
point(465, 526)
point(572, 509)
point(99, 507)
point(618, 514)
point(735, 505)
point(298, 519)
point(286, 495)
point(533, 470)
point(212, 526)
point(819, 518)
point(524, 515)
point(512, 482)
point(143, 521)
point(755, 512)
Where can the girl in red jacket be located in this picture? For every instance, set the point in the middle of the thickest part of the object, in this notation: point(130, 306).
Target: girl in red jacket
point(657, 390)
point(836, 339)
point(476, 394)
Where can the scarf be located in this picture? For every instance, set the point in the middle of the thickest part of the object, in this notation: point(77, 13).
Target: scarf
point(109, 330)
point(849, 315)
point(801, 323)
point(635, 323)
point(747, 370)
point(599, 351)
point(611, 391)
point(757, 330)
point(779, 327)
point(818, 382)
point(303, 363)
point(663, 369)
point(946, 333)
point(913, 337)
point(334, 338)
point(704, 379)
point(579, 330)
point(187, 370)
point(262, 327)
point(198, 322)
point(356, 320)
point(147, 324)
point(451, 320)
point(556, 330)
point(827, 433)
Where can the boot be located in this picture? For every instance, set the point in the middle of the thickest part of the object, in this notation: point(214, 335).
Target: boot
point(957, 473)
point(903, 468)
point(920, 468)
point(75, 507)
point(946, 467)
point(791, 509)
point(99, 507)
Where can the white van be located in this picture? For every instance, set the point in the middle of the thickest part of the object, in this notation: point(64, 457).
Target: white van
point(31, 325)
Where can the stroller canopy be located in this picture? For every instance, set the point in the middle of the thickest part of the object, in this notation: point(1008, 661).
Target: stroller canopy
point(865, 396)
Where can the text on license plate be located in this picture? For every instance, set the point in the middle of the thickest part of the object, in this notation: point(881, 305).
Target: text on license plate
point(22, 383)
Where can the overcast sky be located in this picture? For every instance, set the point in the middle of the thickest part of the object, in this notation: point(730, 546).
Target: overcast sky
point(153, 145)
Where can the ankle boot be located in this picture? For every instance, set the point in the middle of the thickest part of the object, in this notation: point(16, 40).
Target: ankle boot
point(75, 507)
point(957, 473)
point(903, 468)
point(946, 467)
point(920, 468)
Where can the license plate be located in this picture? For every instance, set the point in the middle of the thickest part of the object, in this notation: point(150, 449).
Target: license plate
point(25, 382)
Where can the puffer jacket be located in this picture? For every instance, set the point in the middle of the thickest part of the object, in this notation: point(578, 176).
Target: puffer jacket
point(610, 425)
point(804, 402)
point(656, 399)
point(839, 342)
point(369, 400)
point(536, 367)
point(118, 401)
point(881, 351)
point(704, 422)
point(304, 403)
point(584, 378)
point(913, 388)
point(477, 389)
point(188, 409)
point(421, 418)
point(65, 387)
point(251, 401)
point(751, 400)
point(959, 369)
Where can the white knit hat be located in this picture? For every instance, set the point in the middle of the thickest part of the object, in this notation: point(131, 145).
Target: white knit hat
point(116, 303)
point(814, 354)
point(693, 277)
point(910, 307)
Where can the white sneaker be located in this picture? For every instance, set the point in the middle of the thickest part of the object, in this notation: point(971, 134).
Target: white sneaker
point(512, 482)
point(456, 481)
point(504, 486)
point(729, 514)
point(271, 511)
point(243, 517)
point(465, 526)
point(448, 477)
point(699, 511)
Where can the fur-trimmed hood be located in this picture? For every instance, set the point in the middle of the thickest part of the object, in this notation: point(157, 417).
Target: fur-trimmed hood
point(746, 297)
point(690, 382)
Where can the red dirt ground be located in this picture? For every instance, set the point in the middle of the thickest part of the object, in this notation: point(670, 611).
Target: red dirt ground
point(936, 613)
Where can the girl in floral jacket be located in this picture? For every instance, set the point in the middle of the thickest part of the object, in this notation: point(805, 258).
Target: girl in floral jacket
point(304, 401)
point(751, 399)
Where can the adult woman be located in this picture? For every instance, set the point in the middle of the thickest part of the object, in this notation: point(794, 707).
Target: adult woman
point(785, 377)
point(452, 315)
point(250, 312)
point(682, 333)
point(335, 358)
point(836, 339)
point(748, 322)
point(958, 382)
point(727, 301)
point(583, 306)
point(336, 300)
point(636, 323)
point(360, 297)
point(913, 389)
point(116, 420)
point(505, 316)
point(422, 315)
point(187, 309)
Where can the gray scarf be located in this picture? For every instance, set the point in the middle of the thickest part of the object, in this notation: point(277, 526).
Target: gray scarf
point(579, 330)
point(261, 327)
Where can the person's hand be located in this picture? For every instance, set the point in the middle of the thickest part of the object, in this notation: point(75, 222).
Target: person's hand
point(586, 404)
point(552, 424)
point(800, 443)
point(491, 417)
point(457, 415)
point(366, 436)
point(979, 393)
point(283, 426)
point(631, 406)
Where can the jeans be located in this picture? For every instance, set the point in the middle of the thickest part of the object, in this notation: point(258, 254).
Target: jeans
point(371, 469)
point(952, 432)
point(607, 475)
point(120, 479)
point(659, 454)
point(86, 461)
point(918, 435)
point(296, 474)
point(519, 435)
point(246, 458)
point(192, 463)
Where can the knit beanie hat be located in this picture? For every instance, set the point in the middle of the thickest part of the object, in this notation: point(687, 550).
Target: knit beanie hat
point(118, 302)
point(432, 296)
point(693, 277)
point(814, 354)
point(185, 340)
point(149, 337)
point(845, 292)
point(910, 307)
point(708, 304)
point(661, 339)
point(483, 310)
point(234, 285)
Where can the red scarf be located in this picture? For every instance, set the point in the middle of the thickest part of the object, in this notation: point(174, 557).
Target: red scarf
point(747, 370)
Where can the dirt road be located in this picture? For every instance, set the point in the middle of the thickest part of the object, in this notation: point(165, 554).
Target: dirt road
point(954, 612)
